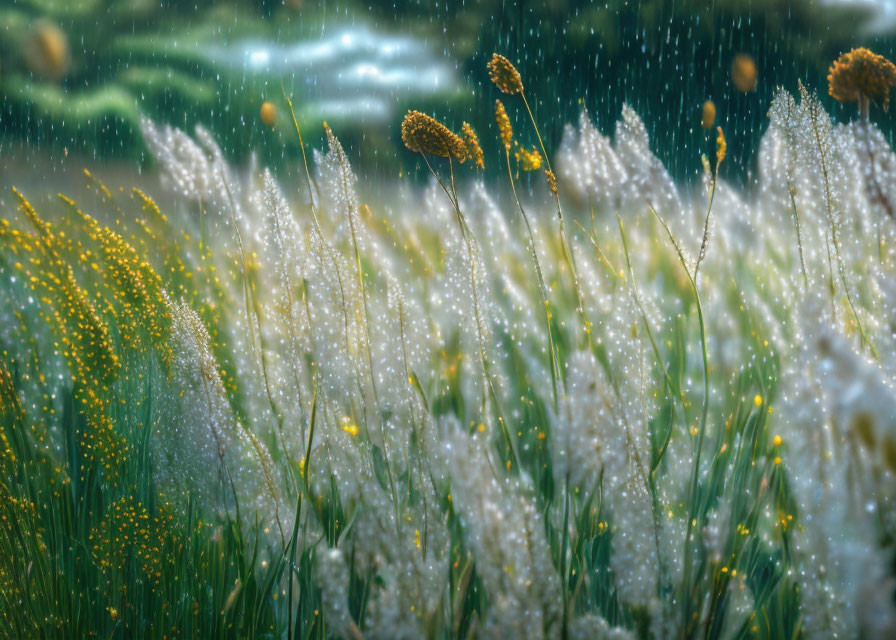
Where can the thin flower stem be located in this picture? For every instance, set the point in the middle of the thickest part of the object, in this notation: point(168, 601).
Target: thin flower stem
point(673, 389)
point(799, 234)
point(564, 238)
point(835, 236)
point(352, 215)
point(706, 221)
point(318, 231)
point(471, 253)
point(701, 429)
point(556, 371)
point(600, 252)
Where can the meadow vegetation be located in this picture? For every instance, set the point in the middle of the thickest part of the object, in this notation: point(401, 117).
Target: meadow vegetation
point(600, 406)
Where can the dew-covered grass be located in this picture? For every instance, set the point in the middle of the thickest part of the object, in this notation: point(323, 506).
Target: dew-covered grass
point(592, 404)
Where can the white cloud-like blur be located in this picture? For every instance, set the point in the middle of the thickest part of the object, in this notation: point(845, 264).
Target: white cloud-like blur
point(353, 73)
point(882, 13)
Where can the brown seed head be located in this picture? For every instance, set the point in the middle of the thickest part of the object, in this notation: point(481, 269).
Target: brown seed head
point(862, 72)
point(709, 115)
point(743, 72)
point(424, 134)
point(47, 51)
point(721, 146)
point(471, 144)
point(268, 113)
point(552, 181)
point(504, 74)
point(504, 127)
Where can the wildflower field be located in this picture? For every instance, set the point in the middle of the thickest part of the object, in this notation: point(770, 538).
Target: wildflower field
point(582, 401)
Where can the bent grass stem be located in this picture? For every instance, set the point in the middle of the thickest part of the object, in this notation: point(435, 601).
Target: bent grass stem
point(701, 427)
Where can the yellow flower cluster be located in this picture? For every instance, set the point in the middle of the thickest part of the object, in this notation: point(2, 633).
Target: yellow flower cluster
point(528, 160)
point(84, 338)
point(200, 285)
point(9, 401)
point(164, 245)
point(83, 334)
point(144, 320)
point(862, 73)
point(129, 531)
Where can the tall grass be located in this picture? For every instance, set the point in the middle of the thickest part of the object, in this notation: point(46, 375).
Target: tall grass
point(462, 410)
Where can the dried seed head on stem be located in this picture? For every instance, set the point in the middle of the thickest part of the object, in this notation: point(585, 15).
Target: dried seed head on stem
point(471, 144)
point(505, 76)
point(424, 134)
point(552, 182)
point(721, 147)
point(862, 75)
point(503, 122)
point(708, 115)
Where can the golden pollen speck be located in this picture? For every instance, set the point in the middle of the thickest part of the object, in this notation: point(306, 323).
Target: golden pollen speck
point(744, 73)
point(46, 51)
point(268, 113)
point(708, 117)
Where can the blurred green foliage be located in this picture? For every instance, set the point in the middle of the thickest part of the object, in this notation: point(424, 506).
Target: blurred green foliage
point(141, 56)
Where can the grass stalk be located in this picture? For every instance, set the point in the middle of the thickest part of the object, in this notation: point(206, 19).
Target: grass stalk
point(693, 503)
point(564, 236)
point(814, 116)
point(556, 370)
point(477, 317)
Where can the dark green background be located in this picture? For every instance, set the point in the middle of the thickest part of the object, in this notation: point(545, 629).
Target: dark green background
point(663, 57)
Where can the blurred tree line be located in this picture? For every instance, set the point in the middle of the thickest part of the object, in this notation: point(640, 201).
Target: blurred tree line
point(77, 74)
